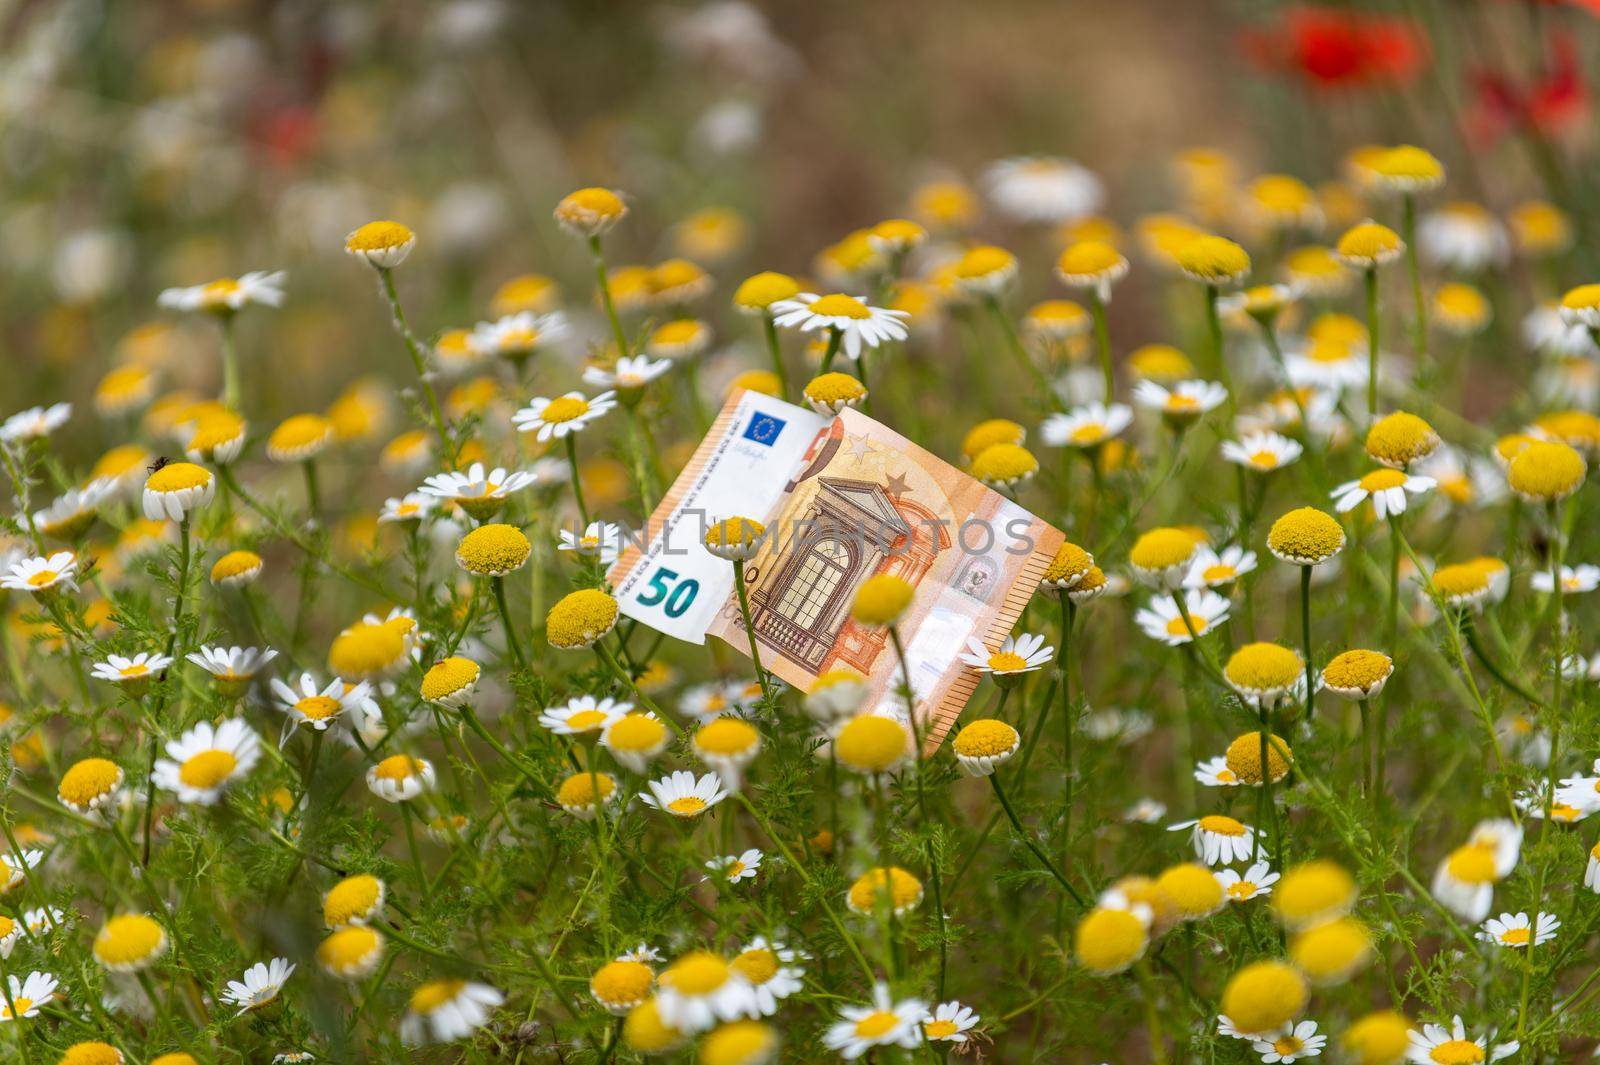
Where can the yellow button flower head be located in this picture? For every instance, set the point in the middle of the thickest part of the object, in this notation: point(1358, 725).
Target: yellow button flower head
point(299, 438)
point(1369, 245)
point(525, 292)
point(351, 953)
point(758, 292)
point(1541, 229)
point(1315, 270)
point(1357, 674)
point(831, 393)
point(1263, 672)
point(944, 205)
point(871, 743)
point(493, 550)
point(635, 740)
point(1004, 465)
point(177, 489)
point(236, 568)
point(580, 619)
point(89, 784)
point(764, 381)
point(1161, 557)
point(91, 1052)
point(1092, 585)
point(1577, 428)
point(1332, 953)
point(129, 942)
point(1461, 309)
point(1213, 261)
point(988, 433)
point(1056, 320)
point(739, 1043)
point(365, 651)
point(1379, 1038)
point(679, 339)
point(896, 236)
point(177, 1057)
point(1406, 169)
point(1068, 568)
point(646, 1033)
point(711, 233)
point(1400, 439)
point(1545, 471)
point(576, 795)
point(590, 212)
point(983, 744)
point(123, 388)
point(451, 681)
point(1306, 537)
point(1244, 757)
point(1313, 893)
point(383, 244)
point(1281, 201)
point(622, 985)
point(735, 539)
point(677, 281)
point(1263, 996)
point(1092, 264)
point(1161, 363)
point(1581, 306)
point(893, 887)
point(1193, 890)
point(985, 269)
point(1108, 939)
point(353, 900)
point(881, 600)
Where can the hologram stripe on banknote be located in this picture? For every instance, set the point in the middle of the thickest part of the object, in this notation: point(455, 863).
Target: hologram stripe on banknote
point(870, 501)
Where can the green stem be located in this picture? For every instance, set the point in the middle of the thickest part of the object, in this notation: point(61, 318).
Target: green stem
point(750, 630)
point(418, 362)
point(1372, 344)
point(603, 284)
point(776, 351)
point(577, 481)
point(499, 585)
point(1102, 341)
point(1408, 223)
point(1033, 848)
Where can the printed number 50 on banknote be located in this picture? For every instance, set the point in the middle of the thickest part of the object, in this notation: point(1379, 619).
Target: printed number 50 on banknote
point(843, 499)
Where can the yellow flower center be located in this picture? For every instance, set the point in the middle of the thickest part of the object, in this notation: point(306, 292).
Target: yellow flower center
point(318, 707)
point(1456, 1052)
point(757, 965)
point(1472, 864)
point(636, 732)
point(985, 738)
point(176, 476)
point(876, 1025)
point(839, 305)
point(1515, 937)
point(696, 973)
point(207, 769)
point(1007, 662)
point(1357, 669)
point(940, 1029)
point(350, 898)
point(348, 949)
point(435, 993)
point(1241, 889)
point(578, 789)
point(564, 409)
point(870, 743)
point(622, 982)
point(580, 617)
point(493, 548)
point(1161, 549)
point(88, 780)
point(726, 736)
point(1222, 825)
point(834, 388)
point(1089, 433)
point(1381, 480)
point(378, 236)
point(687, 805)
point(129, 938)
point(448, 676)
point(398, 767)
point(1306, 533)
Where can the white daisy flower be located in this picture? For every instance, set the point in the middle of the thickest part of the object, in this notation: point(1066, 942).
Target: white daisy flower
point(1438, 1045)
point(1017, 654)
point(583, 715)
point(1043, 189)
point(400, 778)
point(27, 995)
point(227, 295)
point(601, 540)
point(1591, 871)
point(1225, 1026)
point(1123, 726)
point(476, 487)
point(72, 512)
point(1386, 488)
point(1574, 579)
point(1160, 619)
point(634, 740)
point(1582, 792)
point(34, 423)
point(1464, 481)
point(517, 336)
point(884, 1023)
point(444, 1011)
point(413, 506)
point(1146, 811)
point(261, 984)
point(1218, 839)
point(15, 867)
point(860, 325)
point(700, 988)
point(1546, 331)
point(202, 762)
point(1515, 930)
point(1184, 400)
point(39, 921)
point(1462, 236)
point(1465, 879)
point(1291, 1044)
point(683, 795)
point(949, 1023)
point(1331, 365)
point(770, 970)
point(40, 574)
point(630, 373)
point(1252, 883)
point(176, 490)
point(316, 706)
point(1087, 426)
point(232, 665)
point(1214, 773)
point(1263, 452)
point(733, 868)
point(563, 415)
point(120, 670)
point(1212, 569)
point(644, 952)
point(706, 701)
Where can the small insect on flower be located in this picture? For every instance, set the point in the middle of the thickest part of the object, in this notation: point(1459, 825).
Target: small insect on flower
point(201, 763)
point(1203, 611)
point(684, 795)
point(400, 778)
point(26, 996)
point(883, 1023)
point(443, 1011)
point(175, 491)
point(262, 983)
point(129, 942)
point(1218, 839)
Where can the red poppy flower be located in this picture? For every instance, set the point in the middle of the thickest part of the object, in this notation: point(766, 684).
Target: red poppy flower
point(1337, 48)
point(1552, 102)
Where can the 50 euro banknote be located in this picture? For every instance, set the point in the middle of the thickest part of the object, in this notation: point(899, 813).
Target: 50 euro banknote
point(843, 498)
